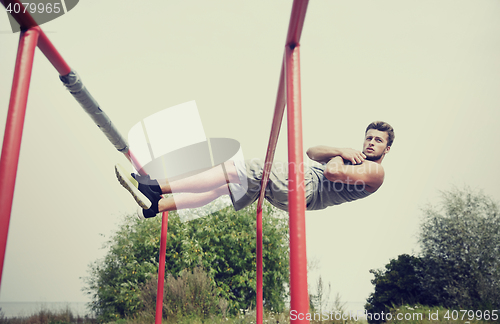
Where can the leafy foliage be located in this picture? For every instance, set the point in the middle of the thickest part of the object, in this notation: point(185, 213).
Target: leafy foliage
point(459, 264)
point(47, 316)
point(400, 283)
point(223, 243)
point(461, 248)
point(320, 301)
point(191, 293)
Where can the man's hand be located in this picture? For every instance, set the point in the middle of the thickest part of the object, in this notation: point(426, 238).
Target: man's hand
point(323, 154)
point(355, 156)
point(368, 174)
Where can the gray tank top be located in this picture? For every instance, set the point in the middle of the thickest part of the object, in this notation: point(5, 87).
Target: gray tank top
point(322, 193)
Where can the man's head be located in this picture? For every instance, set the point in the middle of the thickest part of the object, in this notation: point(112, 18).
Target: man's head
point(379, 137)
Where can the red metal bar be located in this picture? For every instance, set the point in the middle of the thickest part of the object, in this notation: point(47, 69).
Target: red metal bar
point(296, 192)
point(45, 45)
point(260, 293)
point(295, 26)
point(273, 139)
point(279, 110)
point(26, 21)
point(14, 132)
point(23, 18)
point(297, 18)
point(163, 247)
point(161, 268)
point(135, 163)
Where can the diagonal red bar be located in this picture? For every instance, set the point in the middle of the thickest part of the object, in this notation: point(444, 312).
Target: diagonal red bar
point(273, 139)
point(51, 53)
point(26, 21)
point(296, 22)
point(279, 110)
point(22, 17)
point(14, 131)
point(294, 31)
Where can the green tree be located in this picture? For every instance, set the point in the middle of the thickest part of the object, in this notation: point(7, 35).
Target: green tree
point(460, 241)
point(223, 243)
point(459, 265)
point(399, 283)
point(320, 301)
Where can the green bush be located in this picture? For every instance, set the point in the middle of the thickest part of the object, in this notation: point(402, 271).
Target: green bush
point(192, 292)
point(460, 240)
point(222, 243)
point(45, 316)
point(459, 266)
point(399, 283)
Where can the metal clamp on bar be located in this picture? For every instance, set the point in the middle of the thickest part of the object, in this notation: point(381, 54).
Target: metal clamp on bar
point(75, 86)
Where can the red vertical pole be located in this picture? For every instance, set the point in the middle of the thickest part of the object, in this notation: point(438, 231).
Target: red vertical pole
point(161, 268)
point(299, 302)
point(260, 295)
point(14, 131)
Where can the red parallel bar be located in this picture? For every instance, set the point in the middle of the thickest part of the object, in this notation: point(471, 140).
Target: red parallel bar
point(295, 26)
point(260, 294)
point(296, 22)
point(14, 132)
point(279, 110)
point(161, 268)
point(273, 139)
point(26, 21)
point(299, 301)
point(50, 52)
point(23, 18)
point(294, 31)
point(163, 247)
point(135, 162)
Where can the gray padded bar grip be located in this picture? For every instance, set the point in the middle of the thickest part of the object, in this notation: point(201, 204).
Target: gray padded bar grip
point(74, 84)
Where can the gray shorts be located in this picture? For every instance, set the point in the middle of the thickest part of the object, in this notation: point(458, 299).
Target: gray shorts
point(250, 175)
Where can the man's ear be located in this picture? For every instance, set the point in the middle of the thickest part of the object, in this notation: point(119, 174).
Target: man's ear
point(387, 149)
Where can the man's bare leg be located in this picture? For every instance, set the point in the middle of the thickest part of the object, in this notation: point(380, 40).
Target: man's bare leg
point(203, 182)
point(198, 190)
point(191, 200)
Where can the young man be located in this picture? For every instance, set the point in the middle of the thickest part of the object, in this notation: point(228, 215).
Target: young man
point(344, 175)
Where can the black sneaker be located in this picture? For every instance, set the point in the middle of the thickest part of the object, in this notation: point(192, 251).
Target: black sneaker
point(146, 213)
point(146, 180)
point(145, 191)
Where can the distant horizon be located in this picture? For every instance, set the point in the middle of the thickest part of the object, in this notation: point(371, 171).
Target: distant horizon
point(82, 310)
point(14, 309)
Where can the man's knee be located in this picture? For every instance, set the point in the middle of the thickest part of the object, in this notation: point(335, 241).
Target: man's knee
point(222, 190)
point(231, 172)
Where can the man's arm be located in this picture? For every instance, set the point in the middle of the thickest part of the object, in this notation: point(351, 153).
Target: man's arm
point(369, 174)
point(323, 154)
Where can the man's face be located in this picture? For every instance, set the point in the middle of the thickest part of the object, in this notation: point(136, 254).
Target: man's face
point(375, 144)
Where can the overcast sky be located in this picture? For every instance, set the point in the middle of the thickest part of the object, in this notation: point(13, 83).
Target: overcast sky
point(429, 68)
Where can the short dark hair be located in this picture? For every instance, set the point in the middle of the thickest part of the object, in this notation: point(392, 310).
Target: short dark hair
point(383, 127)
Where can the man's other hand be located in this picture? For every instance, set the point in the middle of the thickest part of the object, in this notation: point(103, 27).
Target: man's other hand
point(355, 156)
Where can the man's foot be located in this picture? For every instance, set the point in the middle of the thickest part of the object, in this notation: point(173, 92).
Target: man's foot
point(146, 180)
point(146, 213)
point(141, 188)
